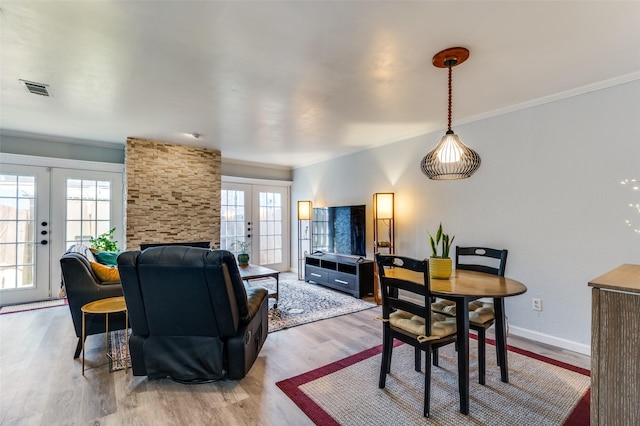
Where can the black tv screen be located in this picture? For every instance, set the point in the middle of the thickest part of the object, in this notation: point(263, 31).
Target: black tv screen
point(340, 230)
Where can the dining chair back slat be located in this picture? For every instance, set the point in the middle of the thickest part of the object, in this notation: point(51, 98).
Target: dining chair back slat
point(482, 259)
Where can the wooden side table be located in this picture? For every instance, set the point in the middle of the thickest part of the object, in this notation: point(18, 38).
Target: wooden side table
point(107, 306)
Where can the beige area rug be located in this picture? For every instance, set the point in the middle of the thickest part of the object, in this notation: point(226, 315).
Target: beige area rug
point(540, 391)
point(32, 306)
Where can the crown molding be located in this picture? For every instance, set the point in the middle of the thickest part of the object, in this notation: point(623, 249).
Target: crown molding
point(555, 97)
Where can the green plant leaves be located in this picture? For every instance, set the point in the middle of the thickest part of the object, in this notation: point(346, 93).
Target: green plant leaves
point(105, 241)
point(242, 246)
point(446, 243)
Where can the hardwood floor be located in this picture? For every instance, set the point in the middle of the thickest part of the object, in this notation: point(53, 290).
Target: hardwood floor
point(41, 383)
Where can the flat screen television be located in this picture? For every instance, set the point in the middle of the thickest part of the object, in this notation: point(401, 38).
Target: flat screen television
point(340, 230)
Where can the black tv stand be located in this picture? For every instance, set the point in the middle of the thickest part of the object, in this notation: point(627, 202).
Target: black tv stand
point(344, 273)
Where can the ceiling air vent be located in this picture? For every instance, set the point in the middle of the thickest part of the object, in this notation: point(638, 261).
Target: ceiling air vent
point(36, 88)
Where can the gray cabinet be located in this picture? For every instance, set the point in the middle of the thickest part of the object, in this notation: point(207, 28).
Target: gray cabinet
point(344, 273)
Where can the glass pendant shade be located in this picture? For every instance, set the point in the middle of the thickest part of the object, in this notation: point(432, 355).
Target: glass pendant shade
point(451, 159)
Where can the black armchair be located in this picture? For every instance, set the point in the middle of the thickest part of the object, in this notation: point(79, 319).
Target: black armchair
point(191, 316)
point(82, 286)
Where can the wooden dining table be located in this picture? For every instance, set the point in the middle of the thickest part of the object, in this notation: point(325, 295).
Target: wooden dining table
point(464, 287)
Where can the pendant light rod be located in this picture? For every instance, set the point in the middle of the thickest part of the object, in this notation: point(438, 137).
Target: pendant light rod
point(450, 103)
point(449, 58)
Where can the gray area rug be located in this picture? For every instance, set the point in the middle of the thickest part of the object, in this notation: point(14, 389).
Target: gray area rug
point(299, 303)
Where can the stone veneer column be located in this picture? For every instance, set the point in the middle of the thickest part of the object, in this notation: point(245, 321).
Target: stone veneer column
point(173, 193)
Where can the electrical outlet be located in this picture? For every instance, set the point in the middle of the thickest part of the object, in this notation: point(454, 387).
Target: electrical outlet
point(536, 304)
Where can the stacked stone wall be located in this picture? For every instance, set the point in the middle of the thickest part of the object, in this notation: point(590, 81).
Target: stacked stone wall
point(173, 193)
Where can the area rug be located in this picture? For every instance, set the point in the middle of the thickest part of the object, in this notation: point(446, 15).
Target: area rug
point(299, 303)
point(118, 353)
point(541, 391)
point(33, 306)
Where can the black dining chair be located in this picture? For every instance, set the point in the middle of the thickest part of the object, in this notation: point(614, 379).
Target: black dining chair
point(481, 314)
point(410, 319)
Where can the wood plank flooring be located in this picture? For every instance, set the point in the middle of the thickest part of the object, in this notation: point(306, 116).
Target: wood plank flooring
point(41, 383)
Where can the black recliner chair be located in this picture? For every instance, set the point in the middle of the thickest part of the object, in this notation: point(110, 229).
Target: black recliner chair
point(81, 287)
point(191, 316)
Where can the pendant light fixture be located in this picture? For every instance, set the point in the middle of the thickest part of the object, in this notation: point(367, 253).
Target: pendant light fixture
point(450, 159)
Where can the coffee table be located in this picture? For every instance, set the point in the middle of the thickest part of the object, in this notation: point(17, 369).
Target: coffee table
point(252, 272)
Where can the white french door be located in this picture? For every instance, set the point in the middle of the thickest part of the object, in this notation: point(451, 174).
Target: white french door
point(24, 229)
point(258, 215)
point(45, 210)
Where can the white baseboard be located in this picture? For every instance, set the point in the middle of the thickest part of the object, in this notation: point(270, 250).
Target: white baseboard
point(550, 340)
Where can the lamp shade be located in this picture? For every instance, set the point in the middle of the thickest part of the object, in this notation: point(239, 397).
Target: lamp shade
point(384, 205)
point(305, 210)
point(451, 159)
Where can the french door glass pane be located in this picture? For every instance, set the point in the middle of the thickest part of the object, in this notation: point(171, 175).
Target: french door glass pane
point(26, 186)
point(103, 210)
point(88, 209)
point(233, 217)
point(74, 209)
point(270, 227)
point(102, 226)
point(17, 231)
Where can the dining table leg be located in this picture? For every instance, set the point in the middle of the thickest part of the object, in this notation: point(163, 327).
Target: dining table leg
point(462, 324)
point(501, 338)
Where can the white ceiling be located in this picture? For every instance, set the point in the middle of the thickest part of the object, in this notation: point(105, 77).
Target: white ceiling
point(293, 82)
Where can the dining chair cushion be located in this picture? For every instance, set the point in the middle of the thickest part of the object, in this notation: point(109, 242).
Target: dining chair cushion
point(479, 312)
point(441, 325)
point(443, 306)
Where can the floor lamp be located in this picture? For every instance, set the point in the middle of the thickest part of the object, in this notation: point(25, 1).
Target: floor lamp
point(383, 229)
point(305, 234)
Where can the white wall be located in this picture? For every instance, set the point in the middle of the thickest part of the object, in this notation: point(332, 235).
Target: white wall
point(548, 190)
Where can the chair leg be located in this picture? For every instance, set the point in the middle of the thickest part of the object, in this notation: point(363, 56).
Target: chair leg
point(78, 348)
point(481, 355)
point(389, 352)
point(427, 383)
point(418, 358)
point(384, 365)
point(436, 358)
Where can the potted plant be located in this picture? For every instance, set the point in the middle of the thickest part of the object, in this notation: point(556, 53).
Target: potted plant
point(105, 242)
point(243, 248)
point(440, 266)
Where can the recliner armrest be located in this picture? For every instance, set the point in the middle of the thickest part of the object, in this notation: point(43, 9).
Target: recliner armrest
point(255, 296)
